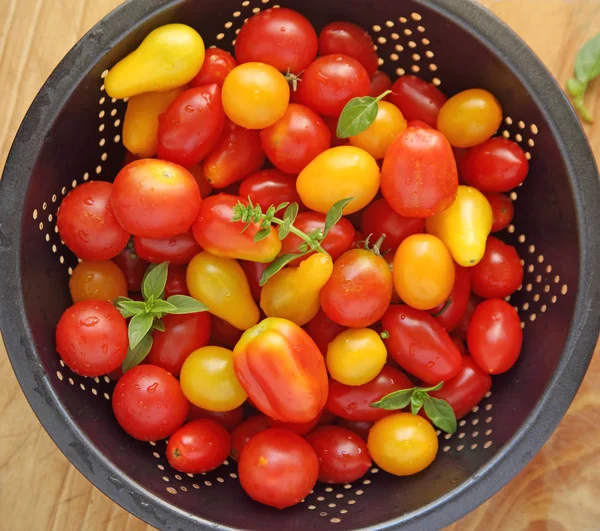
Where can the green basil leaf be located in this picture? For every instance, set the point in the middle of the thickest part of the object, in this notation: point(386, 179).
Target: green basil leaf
point(184, 304)
point(416, 402)
point(587, 62)
point(427, 389)
point(358, 115)
point(284, 229)
point(291, 212)
point(121, 299)
point(440, 413)
point(161, 306)
point(158, 325)
point(281, 206)
point(136, 355)
point(580, 106)
point(139, 326)
point(576, 88)
point(155, 281)
point(396, 400)
point(277, 265)
point(262, 234)
point(131, 307)
point(335, 214)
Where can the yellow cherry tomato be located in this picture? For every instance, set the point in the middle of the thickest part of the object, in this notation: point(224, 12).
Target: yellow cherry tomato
point(423, 271)
point(469, 118)
point(465, 226)
point(402, 444)
point(388, 124)
point(356, 356)
point(169, 57)
point(221, 284)
point(140, 126)
point(293, 293)
point(97, 281)
point(208, 380)
point(339, 173)
point(255, 95)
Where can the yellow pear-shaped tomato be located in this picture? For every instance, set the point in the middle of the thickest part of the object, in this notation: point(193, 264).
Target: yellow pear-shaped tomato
point(169, 57)
point(464, 226)
point(339, 173)
point(221, 284)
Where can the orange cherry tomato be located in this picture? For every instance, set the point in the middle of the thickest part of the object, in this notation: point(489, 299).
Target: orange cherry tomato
point(97, 281)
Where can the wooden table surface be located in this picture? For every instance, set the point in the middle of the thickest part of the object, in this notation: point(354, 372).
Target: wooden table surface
point(40, 489)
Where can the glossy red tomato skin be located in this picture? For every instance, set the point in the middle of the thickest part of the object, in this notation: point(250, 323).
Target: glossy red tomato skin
point(148, 403)
point(176, 282)
point(380, 218)
point(228, 419)
point(178, 250)
point(183, 334)
point(270, 187)
point(496, 165)
point(460, 344)
point(278, 468)
point(280, 37)
point(295, 139)
point(91, 338)
point(331, 122)
point(466, 389)
point(224, 334)
point(301, 428)
point(198, 446)
point(343, 455)
point(499, 273)
point(254, 271)
point(133, 267)
point(495, 336)
point(463, 325)
point(323, 330)
point(191, 126)
point(420, 345)
point(347, 79)
point(353, 403)
point(419, 176)
point(449, 313)
point(217, 64)
point(245, 431)
point(417, 99)
point(87, 223)
point(380, 82)
point(503, 210)
point(360, 428)
point(349, 39)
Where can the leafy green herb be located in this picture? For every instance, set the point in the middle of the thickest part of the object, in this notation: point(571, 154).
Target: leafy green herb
point(277, 265)
point(587, 68)
point(158, 325)
point(335, 214)
point(444, 308)
point(358, 115)
point(136, 355)
point(184, 304)
point(155, 281)
point(139, 326)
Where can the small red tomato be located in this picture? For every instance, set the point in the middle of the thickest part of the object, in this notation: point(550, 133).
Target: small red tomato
point(380, 82)
point(199, 446)
point(177, 250)
point(417, 99)
point(497, 165)
point(463, 325)
point(450, 312)
point(323, 330)
point(176, 281)
point(198, 174)
point(295, 139)
point(331, 122)
point(245, 431)
point(460, 345)
point(499, 273)
point(503, 210)
point(358, 241)
point(228, 419)
point(270, 187)
point(301, 428)
point(91, 338)
point(254, 271)
point(224, 334)
point(148, 403)
point(217, 64)
point(278, 468)
point(133, 267)
point(361, 428)
point(351, 40)
point(495, 336)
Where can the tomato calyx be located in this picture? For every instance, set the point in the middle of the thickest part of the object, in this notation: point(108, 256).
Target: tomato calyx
point(376, 248)
point(385, 334)
point(439, 411)
point(293, 79)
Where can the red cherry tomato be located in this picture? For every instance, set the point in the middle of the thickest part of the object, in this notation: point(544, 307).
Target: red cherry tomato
point(280, 37)
point(495, 336)
point(278, 468)
point(270, 187)
point(450, 312)
point(198, 174)
point(351, 40)
point(460, 345)
point(217, 64)
point(228, 419)
point(323, 330)
point(380, 82)
point(503, 210)
point(91, 338)
point(148, 403)
point(420, 345)
point(353, 402)
point(497, 165)
point(463, 325)
point(301, 428)
point(133, 267)
point(499, 273)
point(360, 428)
point(224, 334)
point(87, 224)
point(245, 431)
point(358, 240)
point(295, 139)
point(199, 446)
point(417, 99)
point(254, 271)
point(331, 122)
point(183, 334)
point(177, 250)
point(176, 282)
point(346, 79)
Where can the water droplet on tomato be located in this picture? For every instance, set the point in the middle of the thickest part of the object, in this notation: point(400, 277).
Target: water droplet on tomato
point(152, 388)
point(282, 29)
point(89, 321)
point(412, 349)
point(189, 108)
point(83, 236)
point(430, 364)
point(136, 387)
point(104, 348)
point(402, 317)
point(89, 201)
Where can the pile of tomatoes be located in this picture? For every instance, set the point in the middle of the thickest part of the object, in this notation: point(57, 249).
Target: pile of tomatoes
point(286, 270)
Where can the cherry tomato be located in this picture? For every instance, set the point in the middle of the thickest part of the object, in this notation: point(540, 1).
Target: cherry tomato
point(450, 312)
point(183, 335)
point(296, 139)
point(358, 242)
point(91, 338)
point(380, 82)
point(301, 428)
point(417, 99)
point(224, 334)
point(238, 153)
point(499, 273)
point(379, 218)
point(469, 118)
point(245, 431)
point(360, 428)
point(217, 65)
point(495, 336)
point(97, 281)
point(198, 174)
point(199, 446)
point(351, 40)
point(155, 199)
point(466, 389)
point(270, 187)
point(359, 291)
point(503, 210)
point(280, 37)
point(148, 403)
point(346, 78)
point(353, 402)
point(191, 126)
point(133, 267)
point(402, 444)
point(460, 345)
point(176, 282)
point(228, 419)
point(463, 325)
point(177, 250)
point(419, 177)
point(497, 165)
point(87, 224)
point(278, 468)
point(420, 345)
point(254, 271)
point(331, 122)
point(323, 330)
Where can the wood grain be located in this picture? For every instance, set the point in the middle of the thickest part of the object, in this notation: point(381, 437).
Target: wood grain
point(557, 491)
